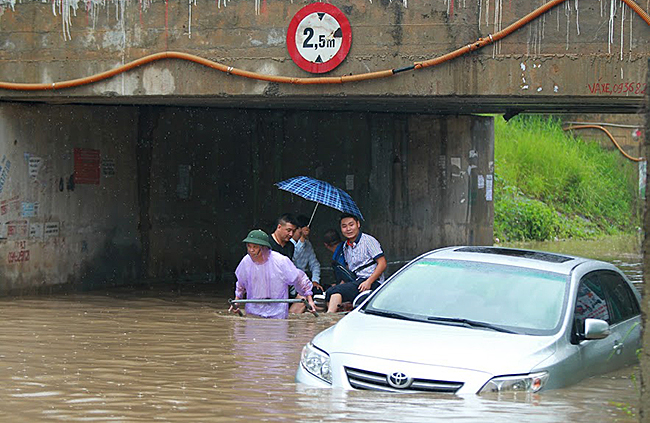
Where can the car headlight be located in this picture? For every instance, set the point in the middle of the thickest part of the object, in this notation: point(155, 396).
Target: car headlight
point(316, 362)
point(520, 383)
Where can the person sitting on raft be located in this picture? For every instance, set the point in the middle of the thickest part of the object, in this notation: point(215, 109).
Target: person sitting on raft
point(266, 274)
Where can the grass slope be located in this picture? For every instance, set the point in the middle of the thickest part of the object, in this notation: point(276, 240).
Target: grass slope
point(549, 184)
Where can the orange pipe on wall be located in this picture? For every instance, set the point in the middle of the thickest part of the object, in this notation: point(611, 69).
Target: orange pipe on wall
point(611, 137)
point(644, 15)
point(481, 42)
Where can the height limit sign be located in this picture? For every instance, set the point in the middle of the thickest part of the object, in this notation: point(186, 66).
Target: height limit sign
point(319, 37)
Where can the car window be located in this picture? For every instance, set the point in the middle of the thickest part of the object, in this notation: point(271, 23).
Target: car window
point(591, 301)
point(621, 299)
point(519, 299)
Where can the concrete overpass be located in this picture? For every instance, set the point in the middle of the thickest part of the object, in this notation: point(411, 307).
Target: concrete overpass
point(160, 169)
point(578, 56)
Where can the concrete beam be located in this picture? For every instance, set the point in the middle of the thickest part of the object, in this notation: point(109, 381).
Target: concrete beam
point(577, 57)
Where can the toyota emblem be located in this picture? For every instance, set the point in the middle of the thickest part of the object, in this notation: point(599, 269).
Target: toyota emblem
point(399, 380)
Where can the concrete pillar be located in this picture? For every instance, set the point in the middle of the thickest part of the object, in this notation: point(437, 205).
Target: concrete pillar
point(68, 199)
point(644, 412)
point(440, 173)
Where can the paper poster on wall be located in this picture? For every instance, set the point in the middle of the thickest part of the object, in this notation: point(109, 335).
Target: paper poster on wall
point(29, 209)
point(51, 229)
point(5, 165)
point(643, 167)
point(349, 182)
point(481, 181)
point(34, 165)
point(86, 166)
point(184, 186)
point(488, 188)
point(36, 230)
point(108, 167)
point(442, 165)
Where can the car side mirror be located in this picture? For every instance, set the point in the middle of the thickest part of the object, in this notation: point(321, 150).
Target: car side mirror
point(360, 298)
point(596, 329)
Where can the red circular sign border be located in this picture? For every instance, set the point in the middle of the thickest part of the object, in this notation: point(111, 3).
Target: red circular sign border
point(346, 42)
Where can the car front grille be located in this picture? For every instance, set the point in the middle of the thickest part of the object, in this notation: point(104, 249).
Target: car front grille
point(363, 379)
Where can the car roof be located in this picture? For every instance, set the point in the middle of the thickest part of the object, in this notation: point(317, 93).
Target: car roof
point(539, 260)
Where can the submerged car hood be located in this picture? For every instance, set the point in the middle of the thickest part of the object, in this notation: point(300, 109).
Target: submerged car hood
point(435, 344)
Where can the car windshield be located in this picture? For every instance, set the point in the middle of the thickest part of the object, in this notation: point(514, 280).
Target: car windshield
point(462, 292)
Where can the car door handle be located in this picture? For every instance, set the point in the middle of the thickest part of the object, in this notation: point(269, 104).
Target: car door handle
point(618, 346)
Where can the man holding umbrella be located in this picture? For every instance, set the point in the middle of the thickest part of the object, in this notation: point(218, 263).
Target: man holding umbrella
point(266, 274)
point(364, 257)
point(320, 192)
point(364, 250)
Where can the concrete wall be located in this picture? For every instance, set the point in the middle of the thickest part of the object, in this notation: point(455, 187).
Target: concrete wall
point(56, 230)
point(415, 178)
point(579, 56)
point(172, 191)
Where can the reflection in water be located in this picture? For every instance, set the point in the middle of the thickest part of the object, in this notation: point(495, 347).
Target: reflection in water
point(128, 355)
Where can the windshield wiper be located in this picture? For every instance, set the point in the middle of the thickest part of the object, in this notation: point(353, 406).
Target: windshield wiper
point(468, 323)
point(390, 314)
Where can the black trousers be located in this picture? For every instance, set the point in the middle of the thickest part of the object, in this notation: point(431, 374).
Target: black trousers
point(348, 290)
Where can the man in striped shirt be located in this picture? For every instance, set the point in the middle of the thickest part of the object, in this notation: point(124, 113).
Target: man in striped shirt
point(364, 257)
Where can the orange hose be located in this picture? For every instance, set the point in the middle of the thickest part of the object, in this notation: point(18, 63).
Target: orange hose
point(611, 137)
point(481, 42)
point(638, 10)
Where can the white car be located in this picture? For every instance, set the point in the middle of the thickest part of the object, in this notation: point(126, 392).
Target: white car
point(469, 320)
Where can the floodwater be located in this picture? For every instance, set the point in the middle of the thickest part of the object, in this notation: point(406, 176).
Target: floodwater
point(153, 354)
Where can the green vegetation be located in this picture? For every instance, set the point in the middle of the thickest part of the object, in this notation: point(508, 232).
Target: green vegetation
point(625, 407)
point(550, 185)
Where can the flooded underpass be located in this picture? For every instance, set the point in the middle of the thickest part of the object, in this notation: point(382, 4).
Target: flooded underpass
point(152, 353)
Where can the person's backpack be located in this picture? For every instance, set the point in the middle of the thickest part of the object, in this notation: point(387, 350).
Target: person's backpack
point(342, 273)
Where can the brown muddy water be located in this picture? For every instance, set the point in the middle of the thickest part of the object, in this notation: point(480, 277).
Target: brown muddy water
point(153, 354)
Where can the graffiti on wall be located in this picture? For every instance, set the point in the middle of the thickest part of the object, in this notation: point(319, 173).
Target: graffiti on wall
point(16, 229)
point(10, 207)
point(20, 254)
point(611, 88)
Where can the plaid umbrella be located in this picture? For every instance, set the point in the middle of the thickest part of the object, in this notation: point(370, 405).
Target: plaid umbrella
point(322, 193)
